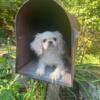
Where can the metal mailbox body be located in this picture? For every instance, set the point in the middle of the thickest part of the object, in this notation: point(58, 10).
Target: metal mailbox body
point(38, 16)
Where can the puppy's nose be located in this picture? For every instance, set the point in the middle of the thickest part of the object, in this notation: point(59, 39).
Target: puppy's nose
point(50, 42)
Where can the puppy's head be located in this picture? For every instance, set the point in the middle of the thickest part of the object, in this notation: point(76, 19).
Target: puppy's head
point(49, 40)
point(46, 41)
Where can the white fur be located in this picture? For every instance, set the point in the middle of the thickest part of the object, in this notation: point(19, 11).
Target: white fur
point(49, 54)
point(41, 69)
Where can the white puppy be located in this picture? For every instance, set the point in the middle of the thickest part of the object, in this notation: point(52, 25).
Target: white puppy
point(49, 47)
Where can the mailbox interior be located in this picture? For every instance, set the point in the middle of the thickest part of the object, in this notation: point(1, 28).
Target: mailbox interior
point(39, 16)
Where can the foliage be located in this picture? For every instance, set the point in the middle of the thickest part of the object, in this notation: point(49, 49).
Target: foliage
point(88, 51)
point(86, 80)
point(87, 12)
point(10, 85)
point(8, 10)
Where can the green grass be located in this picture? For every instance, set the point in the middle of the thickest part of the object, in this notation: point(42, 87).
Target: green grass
point(10, 82)
point(10, 86)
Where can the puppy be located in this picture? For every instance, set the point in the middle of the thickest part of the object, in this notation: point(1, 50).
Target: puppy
point(49, 47)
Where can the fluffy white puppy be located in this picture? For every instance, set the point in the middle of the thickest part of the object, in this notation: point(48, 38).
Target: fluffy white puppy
point(49, 47)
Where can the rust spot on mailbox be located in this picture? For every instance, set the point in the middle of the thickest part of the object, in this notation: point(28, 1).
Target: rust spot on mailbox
point(38, 16)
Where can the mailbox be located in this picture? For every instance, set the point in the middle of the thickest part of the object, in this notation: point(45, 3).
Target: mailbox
point(39, 16)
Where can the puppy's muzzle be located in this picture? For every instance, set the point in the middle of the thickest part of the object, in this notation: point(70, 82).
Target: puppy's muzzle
point(50, 42)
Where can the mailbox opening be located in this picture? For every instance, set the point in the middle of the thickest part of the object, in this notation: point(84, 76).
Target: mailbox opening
point(39, 16)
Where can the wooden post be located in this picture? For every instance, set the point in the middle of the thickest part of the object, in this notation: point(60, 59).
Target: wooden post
point(53, 92)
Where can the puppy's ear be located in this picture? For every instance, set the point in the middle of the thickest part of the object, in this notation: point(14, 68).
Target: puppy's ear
point(36, 45)
point(60, 42)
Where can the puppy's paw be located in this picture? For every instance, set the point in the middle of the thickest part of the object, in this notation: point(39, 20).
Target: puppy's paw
point(55, 75)
point(40, 71)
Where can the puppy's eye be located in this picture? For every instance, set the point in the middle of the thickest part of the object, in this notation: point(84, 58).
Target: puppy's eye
point(44, 40)
point(54, 39)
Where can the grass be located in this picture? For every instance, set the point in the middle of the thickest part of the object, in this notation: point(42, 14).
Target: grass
point(11, 87)
point(10, 83)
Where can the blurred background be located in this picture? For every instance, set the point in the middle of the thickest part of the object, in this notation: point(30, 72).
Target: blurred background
point(87, 61)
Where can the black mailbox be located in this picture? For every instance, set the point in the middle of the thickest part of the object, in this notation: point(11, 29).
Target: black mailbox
point(39, 16)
